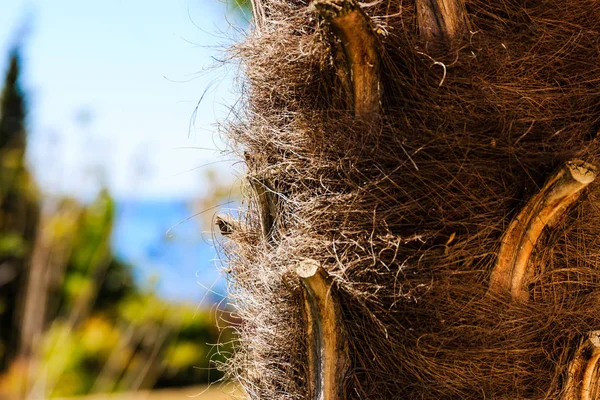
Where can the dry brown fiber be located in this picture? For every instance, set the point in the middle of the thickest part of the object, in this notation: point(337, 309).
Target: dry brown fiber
point(406, 210)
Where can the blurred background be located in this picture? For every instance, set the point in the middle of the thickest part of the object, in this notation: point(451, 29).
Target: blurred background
point(112, 169)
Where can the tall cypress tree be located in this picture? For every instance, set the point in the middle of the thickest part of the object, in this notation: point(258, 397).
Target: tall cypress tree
point(12, 107)
point(19, 209)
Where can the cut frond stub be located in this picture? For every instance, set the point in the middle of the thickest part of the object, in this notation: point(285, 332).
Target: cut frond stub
point(362, 50)
point(441, 20)
point(267, 205)
point(582, 381)
point(226, 224)
point(327, 347)
point(560, 191)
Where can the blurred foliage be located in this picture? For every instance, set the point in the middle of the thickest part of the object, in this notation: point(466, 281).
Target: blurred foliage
point(72, 319)
point(244, 5)
point(240, 8)
point(142, 348)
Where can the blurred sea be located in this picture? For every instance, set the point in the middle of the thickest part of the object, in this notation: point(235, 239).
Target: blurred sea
point(166, 245)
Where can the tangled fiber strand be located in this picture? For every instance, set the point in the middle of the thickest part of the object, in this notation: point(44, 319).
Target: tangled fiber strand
point(406, 211)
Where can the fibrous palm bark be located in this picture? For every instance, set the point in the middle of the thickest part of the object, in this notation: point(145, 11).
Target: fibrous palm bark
point(423, 218)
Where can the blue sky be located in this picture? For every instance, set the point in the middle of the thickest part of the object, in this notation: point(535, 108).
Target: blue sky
point(112, 87)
